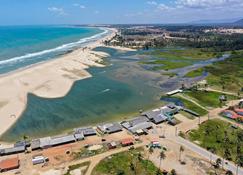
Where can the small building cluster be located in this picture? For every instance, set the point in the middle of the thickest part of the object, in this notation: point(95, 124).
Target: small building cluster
point(137, 126)
point(234, 112)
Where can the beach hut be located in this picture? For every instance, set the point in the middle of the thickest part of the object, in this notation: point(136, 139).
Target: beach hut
point(79, 136)
point(13, 150)
point(89, 131)
point(35, 144)
point(45, 142)
point(155, 116)
point(56, 141)
point(109, 128)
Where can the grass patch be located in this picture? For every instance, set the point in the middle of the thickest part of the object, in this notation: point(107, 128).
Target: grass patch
point(220, 137)
point(174, 58)
point(125, 163)
point(77, 166)
point(169, 64)
point(227, 74)
point(187, 115)
point(192, 106)
point(185, 54)
point(195, 73)
point(208, 99)
point(169, 74)
point(84, 152)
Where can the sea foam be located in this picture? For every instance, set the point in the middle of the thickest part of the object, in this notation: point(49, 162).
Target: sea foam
point(63, 47)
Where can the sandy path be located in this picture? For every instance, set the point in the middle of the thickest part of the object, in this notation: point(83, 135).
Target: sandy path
point(51, 79)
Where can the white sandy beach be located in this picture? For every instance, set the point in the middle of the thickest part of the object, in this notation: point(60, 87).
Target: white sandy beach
point(51, 79)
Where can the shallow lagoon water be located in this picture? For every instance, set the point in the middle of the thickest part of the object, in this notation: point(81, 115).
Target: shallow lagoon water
point(114, 92)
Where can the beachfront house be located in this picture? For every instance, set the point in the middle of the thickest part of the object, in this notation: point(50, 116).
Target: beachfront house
point(35, 144)
point(155, 116)
point(109, 128)
point(12, 150)
point(89, 131)
point(170, 109)
point(138, 126)
point(162, 114)
point(45, 142)
point(61, 140)
point(79, 136)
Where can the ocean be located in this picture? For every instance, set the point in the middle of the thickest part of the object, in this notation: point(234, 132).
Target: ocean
point(22, 46)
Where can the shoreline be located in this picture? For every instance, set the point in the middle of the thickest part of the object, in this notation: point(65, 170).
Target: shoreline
point(48, 79)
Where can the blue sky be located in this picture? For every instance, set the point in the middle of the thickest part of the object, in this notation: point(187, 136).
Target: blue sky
point(17, 12)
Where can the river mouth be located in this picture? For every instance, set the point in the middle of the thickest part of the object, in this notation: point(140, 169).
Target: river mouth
point(115, 92)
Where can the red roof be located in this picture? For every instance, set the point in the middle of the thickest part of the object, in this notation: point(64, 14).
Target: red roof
point(231, 114)
point(127, 141)
point(9, 164)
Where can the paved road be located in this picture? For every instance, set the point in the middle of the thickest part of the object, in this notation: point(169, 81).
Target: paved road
point(206, 154)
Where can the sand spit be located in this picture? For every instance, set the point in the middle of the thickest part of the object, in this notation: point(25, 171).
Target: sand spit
point(51, 79)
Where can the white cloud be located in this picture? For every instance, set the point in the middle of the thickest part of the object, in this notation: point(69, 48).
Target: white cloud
point(152, 3)
point(164, 7)
point(159, 6)
point(56, 10)
point(79, 5)
point(96, 12)
point(208, 3)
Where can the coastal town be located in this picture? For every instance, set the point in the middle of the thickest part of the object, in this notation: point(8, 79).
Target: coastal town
point(153, 129)
point(121, 87)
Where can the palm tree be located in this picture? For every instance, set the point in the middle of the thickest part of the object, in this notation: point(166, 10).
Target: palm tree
point(132, 167)
point(25, 137)
point(161, 157)
point(181, 150)
point(140, 157)
point(151, 151)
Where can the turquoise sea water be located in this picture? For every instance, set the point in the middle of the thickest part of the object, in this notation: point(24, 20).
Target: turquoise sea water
point(116, 91)
point(22, 46)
